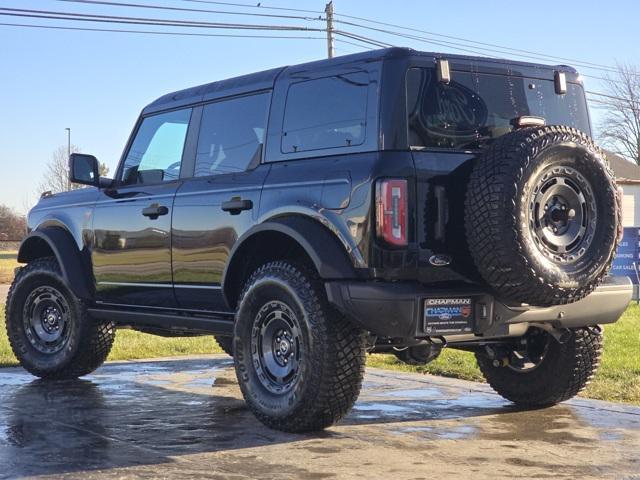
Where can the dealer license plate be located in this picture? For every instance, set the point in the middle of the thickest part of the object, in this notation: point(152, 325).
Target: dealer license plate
point(444, 316)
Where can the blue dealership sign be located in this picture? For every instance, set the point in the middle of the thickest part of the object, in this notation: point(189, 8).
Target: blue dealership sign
point(627, 258)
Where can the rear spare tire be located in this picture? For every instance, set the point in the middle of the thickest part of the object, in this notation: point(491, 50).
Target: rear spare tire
point(542, 215)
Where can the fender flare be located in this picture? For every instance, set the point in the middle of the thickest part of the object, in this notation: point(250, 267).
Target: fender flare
point(328, 254)
point(59, 241)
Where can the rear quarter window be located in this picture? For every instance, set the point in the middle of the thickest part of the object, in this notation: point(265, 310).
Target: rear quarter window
point(329, 112)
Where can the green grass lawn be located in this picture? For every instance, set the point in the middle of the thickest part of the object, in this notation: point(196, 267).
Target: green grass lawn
point(618, 378)
point(8, 263)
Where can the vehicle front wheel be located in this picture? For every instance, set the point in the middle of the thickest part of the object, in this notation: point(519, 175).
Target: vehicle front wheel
point(49, 329)
point(540, 371)
point(299, 363)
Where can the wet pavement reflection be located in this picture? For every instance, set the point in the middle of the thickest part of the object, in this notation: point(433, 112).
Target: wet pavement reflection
point(185, 417)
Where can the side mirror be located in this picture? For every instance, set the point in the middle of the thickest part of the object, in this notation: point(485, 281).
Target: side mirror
point(84, 169)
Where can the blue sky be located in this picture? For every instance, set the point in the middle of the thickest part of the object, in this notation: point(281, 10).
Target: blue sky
point(96, 83)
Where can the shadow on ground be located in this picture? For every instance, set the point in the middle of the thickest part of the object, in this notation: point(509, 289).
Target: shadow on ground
point(184, 417)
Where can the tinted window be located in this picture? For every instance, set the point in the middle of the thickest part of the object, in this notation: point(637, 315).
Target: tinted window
point(231, 134)
point(326, 113)
point(475, 107)
point(156, 152)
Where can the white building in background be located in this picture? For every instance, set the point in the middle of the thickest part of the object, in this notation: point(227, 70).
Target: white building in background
point(628, 177)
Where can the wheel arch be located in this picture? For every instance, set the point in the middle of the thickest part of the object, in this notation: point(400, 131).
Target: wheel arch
point(58, 242)
point(292, 237)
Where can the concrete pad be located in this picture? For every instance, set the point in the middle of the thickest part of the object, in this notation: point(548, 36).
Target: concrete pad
point(186, 418)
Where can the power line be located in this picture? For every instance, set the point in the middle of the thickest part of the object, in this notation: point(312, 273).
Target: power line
point(248, 5)
point(55, 15)
point(612, 97)
point(156, 32)
point(182, 9)
point(361, 38)
point(475, 42)
point(353, 43)
point(72, 16)
point(466, 48)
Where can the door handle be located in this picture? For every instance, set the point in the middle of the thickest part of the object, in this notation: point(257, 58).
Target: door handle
point(153, 211)
point(236, 205)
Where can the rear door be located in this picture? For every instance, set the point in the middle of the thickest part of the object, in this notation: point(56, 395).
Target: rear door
point(132, 222)
point(221, 202)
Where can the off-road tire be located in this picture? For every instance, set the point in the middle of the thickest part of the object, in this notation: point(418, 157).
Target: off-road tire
point(88, 342)
point(566, 370)
point(500, 233)
point(226, 344)
point(332, 362)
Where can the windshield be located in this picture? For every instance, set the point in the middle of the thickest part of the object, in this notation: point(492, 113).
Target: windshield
point(475, 108)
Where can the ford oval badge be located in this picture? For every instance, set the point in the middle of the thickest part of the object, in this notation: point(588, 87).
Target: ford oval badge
point(440, 260)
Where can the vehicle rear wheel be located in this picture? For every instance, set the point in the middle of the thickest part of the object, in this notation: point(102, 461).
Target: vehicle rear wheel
point(299, 363)
point(226, 344)
point(48, 327)
point(541, 371)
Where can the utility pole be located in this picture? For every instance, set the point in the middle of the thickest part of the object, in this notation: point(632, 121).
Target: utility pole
point(328, 9)
point(68, 141)
point(68, 153)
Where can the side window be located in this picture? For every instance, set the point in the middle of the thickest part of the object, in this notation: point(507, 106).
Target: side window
point(231, 134)
point(156, 151)
point(325, 113)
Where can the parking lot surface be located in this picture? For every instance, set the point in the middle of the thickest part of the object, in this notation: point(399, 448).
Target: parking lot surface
point(181, 418)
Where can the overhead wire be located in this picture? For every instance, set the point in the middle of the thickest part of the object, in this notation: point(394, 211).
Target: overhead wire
point(354, 39)
point(156, 32)
point(472, 42)
point(56, 15)
point(183, 9)
point(248, 5)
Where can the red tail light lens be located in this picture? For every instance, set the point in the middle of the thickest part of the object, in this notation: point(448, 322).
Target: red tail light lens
point(391, 211)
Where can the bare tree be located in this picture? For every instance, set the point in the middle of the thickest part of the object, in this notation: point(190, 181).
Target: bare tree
point(56, 176)
point(12, 226)
point(620, 129)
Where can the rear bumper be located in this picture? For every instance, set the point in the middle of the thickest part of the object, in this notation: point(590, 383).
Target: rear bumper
point(396, 309)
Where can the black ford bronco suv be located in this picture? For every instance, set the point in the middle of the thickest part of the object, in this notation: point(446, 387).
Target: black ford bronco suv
point(390, 201)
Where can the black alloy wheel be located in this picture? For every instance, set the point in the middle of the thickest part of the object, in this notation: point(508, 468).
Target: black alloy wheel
point(46, 320)
point(277, 346)
point(562, 214)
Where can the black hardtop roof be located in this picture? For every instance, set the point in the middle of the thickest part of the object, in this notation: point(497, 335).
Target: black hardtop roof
point(266, 79)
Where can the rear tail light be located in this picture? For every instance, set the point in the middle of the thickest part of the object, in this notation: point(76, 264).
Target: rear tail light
point(391, 211)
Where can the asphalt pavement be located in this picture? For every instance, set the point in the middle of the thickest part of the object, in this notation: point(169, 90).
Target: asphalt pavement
point(184, 418)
